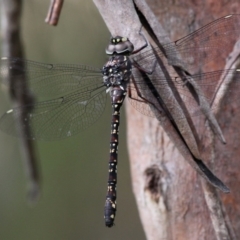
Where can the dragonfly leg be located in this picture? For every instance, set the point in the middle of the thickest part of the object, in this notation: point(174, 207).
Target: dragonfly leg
point(144, 46)
point(142, 69)
point(142, 98)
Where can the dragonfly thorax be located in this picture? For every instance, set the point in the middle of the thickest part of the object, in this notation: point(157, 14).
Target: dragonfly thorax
point(117, 71)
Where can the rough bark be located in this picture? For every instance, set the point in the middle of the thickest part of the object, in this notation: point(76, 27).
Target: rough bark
point(172, 201)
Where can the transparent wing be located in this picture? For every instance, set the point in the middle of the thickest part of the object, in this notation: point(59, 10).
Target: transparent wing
point(208, 83)
point(200, 48)
point(81, 102)
point(47, 81)
point(141, 95)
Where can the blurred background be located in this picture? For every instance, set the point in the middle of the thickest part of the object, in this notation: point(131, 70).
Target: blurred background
point(74, 171)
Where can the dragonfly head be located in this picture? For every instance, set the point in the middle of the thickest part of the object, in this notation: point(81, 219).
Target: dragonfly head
point(119, 46)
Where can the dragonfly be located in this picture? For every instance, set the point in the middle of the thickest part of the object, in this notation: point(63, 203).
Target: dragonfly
point(70, 98)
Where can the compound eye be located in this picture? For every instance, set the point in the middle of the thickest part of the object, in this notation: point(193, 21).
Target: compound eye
point(110, 49)
point(119, 45)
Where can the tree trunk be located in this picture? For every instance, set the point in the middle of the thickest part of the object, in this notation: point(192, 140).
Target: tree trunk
point(174, 202)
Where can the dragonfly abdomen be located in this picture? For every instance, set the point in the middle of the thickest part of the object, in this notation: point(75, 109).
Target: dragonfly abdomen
point(118, 94)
